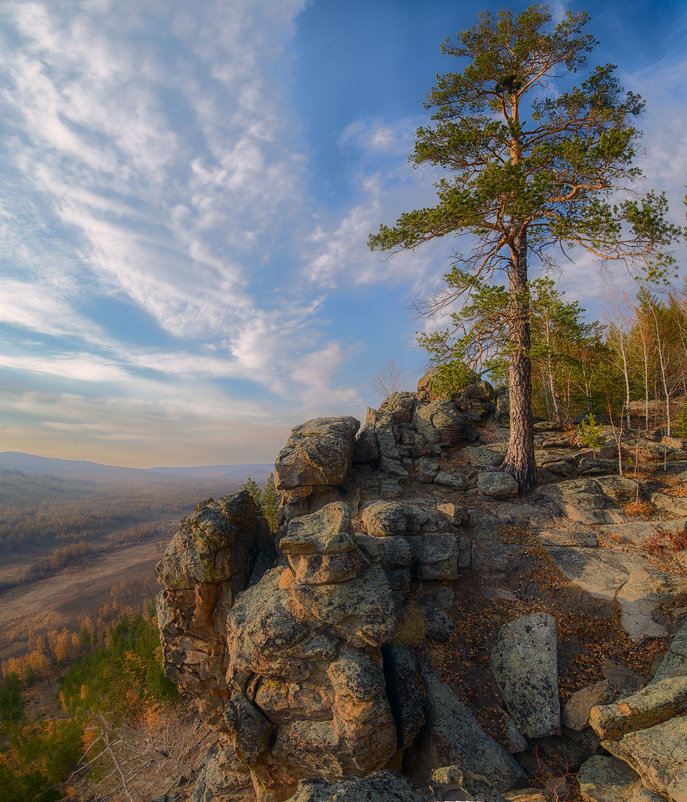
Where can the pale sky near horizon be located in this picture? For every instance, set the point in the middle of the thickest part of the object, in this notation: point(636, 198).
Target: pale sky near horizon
point(186, 194)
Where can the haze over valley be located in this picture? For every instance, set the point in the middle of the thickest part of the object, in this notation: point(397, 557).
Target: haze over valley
point(72, 530)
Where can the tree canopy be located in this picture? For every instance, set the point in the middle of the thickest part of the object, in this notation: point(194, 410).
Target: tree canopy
point(529, 168)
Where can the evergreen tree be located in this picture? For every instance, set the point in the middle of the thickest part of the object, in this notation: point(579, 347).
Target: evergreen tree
point(589, 433)
point(270, 503)
point(528, 172)
point(252, 487)
point(11, 700)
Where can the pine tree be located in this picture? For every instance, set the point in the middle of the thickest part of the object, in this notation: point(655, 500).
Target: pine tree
point(527, 172)
point(270, 503)
point(252, 487)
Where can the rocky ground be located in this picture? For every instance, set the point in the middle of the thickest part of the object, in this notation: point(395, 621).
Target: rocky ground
point(417, 631)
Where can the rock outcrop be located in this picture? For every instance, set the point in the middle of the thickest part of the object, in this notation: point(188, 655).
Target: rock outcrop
point(205, 567)
point(413, 629)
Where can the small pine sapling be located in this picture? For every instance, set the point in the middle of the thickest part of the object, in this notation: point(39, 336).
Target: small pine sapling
point(589, 433)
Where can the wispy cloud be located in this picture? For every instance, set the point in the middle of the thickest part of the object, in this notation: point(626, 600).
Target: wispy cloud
point(169, 170)
point(338, 256)
point(120, 429)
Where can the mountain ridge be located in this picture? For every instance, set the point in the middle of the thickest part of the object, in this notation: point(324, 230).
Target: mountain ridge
point(87, 469)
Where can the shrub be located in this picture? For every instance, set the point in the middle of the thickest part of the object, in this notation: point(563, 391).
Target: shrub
point(453, 377)
point(680, 422)
point(669, 549)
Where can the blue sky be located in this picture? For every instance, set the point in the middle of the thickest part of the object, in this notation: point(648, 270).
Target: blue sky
point(185, 198)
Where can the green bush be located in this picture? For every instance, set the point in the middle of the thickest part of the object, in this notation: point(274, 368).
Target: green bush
point(680, 422)
point(453, 377)
point(37, 759)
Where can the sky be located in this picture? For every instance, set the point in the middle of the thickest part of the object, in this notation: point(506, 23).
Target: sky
point(186, 192)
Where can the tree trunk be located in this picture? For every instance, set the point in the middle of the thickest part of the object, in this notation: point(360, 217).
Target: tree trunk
point(626, 371)
point(519, 460)
point(546, 392)
point(662, 364)
point(554, 392)
point(646, 372)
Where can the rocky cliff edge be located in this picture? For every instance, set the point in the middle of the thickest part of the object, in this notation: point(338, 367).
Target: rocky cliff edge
point(414, 630)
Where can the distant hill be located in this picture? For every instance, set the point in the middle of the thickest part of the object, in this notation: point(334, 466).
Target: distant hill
point(94, 471)
point(258, 471)
point(46, 502)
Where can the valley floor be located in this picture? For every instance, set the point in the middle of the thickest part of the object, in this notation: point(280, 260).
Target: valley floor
point(78, 590)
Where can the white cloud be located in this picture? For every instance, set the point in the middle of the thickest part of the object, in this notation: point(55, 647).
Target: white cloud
point(174, 215)
point(201, 430)
point(663, 155)
point(374, 136)
point(39, 307)
point(80, 367)
point(75, 427)
point(315, 372)
point(160, 209)
point(382, 138)
point(340, 256)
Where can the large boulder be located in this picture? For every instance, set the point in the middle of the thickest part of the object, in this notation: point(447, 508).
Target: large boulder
point(386, 434)
point(578, 707)
point(289, 669)
point(525, 665)
point(648, 728)
point(439, 422)
point(484, 456)
point(318, 452)
point(671, 449)
point(452, 736)
point(320, 548)
point(223, 778)
point(400, 406)
point(424, 385)
point(306, 656)
point(438, 558)
point(607, 779)
point(656, 702)
point(451, 479)
point(502, 406)
point(586, 499)
point(361, 609)
point(496, 484)
point(384, 518)
point(659, 755)
point(674, 664)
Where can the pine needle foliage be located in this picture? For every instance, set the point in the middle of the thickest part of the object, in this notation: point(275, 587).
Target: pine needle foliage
point(533, 165)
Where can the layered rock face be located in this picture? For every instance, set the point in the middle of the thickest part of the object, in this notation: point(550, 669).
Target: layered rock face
point(305, 661)
point(206, 565)
point(397, 618)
